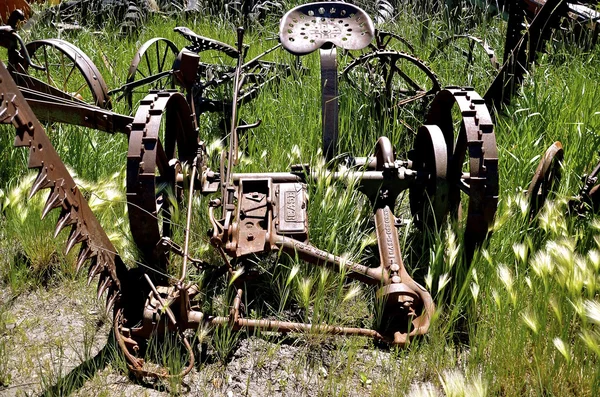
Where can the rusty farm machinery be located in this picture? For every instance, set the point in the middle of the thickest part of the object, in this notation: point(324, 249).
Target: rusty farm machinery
point(452, 169)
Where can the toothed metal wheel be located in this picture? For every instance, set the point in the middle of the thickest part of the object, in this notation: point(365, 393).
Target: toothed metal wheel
point(162, 142)
point(465, 122)
point(546, 178)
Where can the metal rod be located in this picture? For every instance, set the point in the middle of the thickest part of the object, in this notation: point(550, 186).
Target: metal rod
point(233, 138)
point(188, 221)
point(357, 271)
point(288, 326)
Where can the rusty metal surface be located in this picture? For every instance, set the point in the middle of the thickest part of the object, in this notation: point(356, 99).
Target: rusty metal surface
point(384, 40)
point(429, 199)
point(589, 194)
point(259, 213)
point(156, 76)
point(329, 102)
point(201, 43)
point(162, 131)
point(546, 178)
point(475, 143)
point(81, 61)
point(521, 47)
point(27, 60)
point(64, 193)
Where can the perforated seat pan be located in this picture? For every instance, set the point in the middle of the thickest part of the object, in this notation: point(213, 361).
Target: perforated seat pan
point(309, 27)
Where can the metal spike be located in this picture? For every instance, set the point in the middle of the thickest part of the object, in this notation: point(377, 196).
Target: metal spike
point(103, 284)
point(65, 219)
point(35, 158)
point(77, 235)
point(41, 182)
point(84, 254)
point(54, 201)
point(110, 299)
point(95, 265)
point(22, 139)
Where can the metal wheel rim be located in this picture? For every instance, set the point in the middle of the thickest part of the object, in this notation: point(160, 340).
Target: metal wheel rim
point(81, 62)
point(162, 78)
point(148, 166)
point(429, 201)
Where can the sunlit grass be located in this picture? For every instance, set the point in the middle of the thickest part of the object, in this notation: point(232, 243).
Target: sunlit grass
point(522, 318)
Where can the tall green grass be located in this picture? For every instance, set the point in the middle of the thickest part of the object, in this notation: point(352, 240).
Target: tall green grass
point(522, 318)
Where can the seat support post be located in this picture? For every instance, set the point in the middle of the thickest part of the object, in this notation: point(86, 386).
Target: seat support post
point(329, 101)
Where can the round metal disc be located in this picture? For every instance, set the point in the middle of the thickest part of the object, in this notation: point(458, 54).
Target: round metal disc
point(546, 178)
point(429, 194)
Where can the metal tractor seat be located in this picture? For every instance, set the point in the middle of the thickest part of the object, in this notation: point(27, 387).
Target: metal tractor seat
point(325, 26)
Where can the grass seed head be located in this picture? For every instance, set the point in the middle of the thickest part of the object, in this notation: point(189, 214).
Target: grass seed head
point(562, 348)
point(592, 311)
point(530, 320)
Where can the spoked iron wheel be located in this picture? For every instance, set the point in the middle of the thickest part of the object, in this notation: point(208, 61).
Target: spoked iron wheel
point(429, 195)
point(394, 78)
point(66, 68)
point(471, 56)
point(546, 178)
point(150, 69)
point(388, 41)
point(473, 159)
point(162, 141)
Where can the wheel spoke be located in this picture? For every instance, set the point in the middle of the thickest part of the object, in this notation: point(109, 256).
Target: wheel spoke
point(148, 63)
point(406, 78)
point(164, 58)
point(80, 89)
point(68, 77)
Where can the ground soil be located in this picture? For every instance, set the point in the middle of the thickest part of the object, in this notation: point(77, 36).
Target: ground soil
point(59, 338)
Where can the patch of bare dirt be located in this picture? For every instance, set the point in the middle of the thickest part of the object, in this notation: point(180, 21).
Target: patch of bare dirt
point(58, 342)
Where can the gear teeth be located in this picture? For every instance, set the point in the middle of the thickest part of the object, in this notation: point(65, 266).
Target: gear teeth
point(84, 254)
point(103, 284)
point(41, 182)
point(54, 201)
point(22, 138)
point(77, 235)
point(94, 269)
point(65, 219)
